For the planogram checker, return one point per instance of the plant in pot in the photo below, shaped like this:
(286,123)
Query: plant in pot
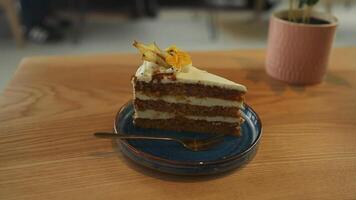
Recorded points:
(299,43)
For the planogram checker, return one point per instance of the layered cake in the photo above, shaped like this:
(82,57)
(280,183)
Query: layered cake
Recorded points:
(171,94)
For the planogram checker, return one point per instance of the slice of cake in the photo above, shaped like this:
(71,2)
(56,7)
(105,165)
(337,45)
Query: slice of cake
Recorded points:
(171,94)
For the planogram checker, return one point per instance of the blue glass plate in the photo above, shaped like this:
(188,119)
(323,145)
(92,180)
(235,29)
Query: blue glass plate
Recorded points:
(171,157)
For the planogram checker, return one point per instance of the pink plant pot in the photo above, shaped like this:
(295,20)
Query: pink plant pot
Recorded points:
(299,53)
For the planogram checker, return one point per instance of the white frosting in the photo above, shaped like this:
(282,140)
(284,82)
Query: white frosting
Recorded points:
(152,114)
(189,74)
(207,101)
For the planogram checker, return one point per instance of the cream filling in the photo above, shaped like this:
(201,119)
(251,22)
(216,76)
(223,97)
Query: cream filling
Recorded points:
(152,114)
(207,101)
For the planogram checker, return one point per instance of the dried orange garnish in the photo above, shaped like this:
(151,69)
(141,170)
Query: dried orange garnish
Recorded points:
(171,57)
(177,58)
(152,53)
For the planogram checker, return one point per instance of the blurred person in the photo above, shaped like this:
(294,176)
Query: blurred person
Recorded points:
(34,14)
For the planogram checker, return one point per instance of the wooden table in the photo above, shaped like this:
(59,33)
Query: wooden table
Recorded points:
(53,105)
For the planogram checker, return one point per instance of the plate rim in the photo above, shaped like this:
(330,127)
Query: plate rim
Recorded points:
(190,163)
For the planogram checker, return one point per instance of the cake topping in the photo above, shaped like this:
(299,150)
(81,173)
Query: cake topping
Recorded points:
(175,66)
(173,59)
(177,58)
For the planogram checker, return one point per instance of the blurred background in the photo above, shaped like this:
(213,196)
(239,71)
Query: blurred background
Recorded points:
(50,27)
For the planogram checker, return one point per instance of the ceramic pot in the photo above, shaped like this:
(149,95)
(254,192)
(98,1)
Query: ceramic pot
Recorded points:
(299,53)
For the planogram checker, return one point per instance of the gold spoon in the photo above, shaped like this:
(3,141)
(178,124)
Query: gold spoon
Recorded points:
(191,144)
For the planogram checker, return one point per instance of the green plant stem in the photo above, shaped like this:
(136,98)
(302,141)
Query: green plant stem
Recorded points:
(305,13)
(309,11)
(294,18)
(290,10)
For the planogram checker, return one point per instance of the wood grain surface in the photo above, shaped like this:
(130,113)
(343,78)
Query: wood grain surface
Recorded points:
(52,106)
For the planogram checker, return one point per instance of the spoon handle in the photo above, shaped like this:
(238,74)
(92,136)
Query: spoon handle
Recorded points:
(107,135)
(122,136)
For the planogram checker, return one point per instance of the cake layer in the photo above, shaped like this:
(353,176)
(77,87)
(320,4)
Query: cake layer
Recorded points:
(183,124)
(204,101)
(154,114)
(185,89)
(185,109)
